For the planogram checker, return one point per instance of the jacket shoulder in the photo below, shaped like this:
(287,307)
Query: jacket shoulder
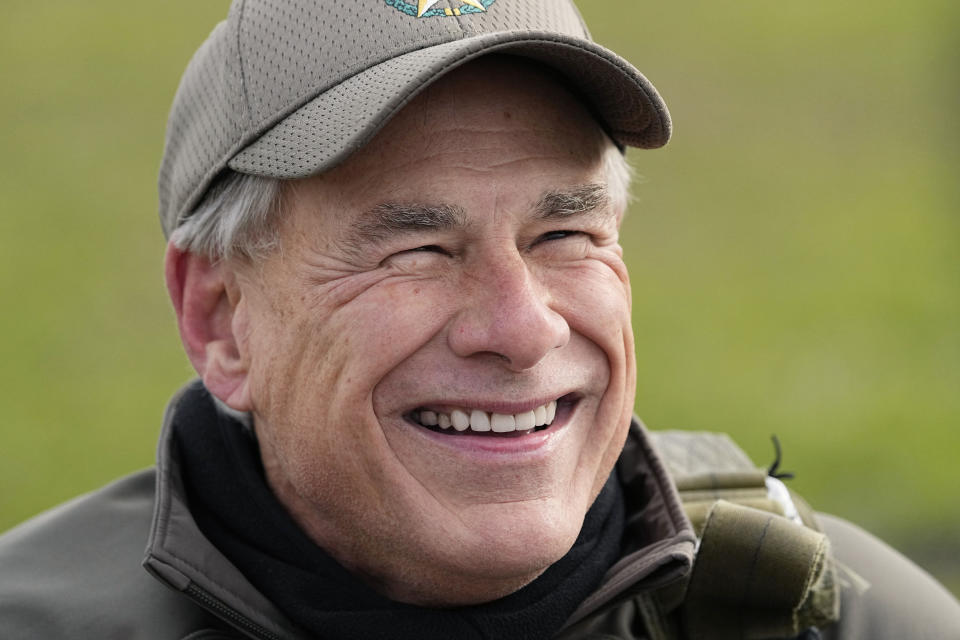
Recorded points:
(885,595)
(75,572)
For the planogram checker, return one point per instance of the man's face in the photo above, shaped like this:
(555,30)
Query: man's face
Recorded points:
(464,263)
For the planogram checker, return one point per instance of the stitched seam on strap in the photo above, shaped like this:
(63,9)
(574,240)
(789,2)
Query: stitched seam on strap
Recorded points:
(750,576)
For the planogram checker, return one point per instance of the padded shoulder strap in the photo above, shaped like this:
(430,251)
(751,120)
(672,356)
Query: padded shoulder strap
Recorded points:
(692,452)
(707,467)
(763,568)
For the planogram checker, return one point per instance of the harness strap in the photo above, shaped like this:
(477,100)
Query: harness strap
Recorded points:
(757,574)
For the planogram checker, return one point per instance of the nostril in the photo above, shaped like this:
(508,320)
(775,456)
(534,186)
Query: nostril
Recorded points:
(507,312)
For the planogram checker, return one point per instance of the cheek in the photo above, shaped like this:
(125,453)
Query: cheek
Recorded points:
(333,356)
(313,374)
(594,297)
(387,325)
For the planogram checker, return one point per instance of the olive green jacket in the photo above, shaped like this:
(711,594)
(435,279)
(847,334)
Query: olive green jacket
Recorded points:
(78,571)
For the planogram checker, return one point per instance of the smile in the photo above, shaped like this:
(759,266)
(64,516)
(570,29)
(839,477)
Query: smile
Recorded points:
(464,420)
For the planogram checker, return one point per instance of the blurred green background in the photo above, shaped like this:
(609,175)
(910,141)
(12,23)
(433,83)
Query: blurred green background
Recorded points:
(795,250)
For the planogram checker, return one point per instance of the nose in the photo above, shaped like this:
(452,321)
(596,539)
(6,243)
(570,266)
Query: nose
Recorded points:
(506,311)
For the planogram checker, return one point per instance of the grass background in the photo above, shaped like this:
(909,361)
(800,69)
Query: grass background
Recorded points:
(795,250)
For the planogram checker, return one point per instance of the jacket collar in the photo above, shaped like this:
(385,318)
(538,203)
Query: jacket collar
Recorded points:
(180,556)
(659,542)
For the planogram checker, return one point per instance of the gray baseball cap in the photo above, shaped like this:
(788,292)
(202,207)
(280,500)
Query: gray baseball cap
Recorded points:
(290,88)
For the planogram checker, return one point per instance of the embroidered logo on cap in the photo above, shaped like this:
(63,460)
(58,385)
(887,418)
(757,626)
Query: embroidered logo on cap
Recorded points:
(425,8)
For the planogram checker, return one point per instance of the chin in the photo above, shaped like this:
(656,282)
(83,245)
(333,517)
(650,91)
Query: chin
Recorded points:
(522,539)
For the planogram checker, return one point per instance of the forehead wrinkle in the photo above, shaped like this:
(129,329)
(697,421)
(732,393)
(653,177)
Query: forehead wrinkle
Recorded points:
(581,199)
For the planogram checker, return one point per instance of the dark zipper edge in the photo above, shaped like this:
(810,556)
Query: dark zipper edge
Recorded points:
(209,602)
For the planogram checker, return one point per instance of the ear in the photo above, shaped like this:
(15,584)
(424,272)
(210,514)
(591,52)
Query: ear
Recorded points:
(208,304)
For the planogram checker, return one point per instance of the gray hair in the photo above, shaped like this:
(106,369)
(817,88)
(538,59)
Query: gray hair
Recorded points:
(239,216)
(236,218)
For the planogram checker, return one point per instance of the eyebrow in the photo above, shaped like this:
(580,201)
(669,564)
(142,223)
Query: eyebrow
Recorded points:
(387,219)
(390,218)
(581,199)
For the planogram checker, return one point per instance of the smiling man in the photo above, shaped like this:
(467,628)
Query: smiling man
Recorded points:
(441,336)
(395,266)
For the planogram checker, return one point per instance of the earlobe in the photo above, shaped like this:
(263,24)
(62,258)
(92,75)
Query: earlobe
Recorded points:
(209,311)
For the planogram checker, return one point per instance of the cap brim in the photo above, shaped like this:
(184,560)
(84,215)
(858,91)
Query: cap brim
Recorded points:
(324,131)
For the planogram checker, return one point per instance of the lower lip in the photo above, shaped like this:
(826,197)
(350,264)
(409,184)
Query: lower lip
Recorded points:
(500,446)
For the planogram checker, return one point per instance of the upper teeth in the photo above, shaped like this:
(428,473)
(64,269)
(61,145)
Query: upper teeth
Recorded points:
(477,420)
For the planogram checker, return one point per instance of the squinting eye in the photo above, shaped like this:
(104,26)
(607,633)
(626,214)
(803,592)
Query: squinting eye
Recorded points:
(427,248)
(432,248)
(557,235)
(411,257)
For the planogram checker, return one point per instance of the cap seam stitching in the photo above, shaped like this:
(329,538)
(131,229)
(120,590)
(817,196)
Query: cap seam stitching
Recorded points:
(248,116)
(463,32)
